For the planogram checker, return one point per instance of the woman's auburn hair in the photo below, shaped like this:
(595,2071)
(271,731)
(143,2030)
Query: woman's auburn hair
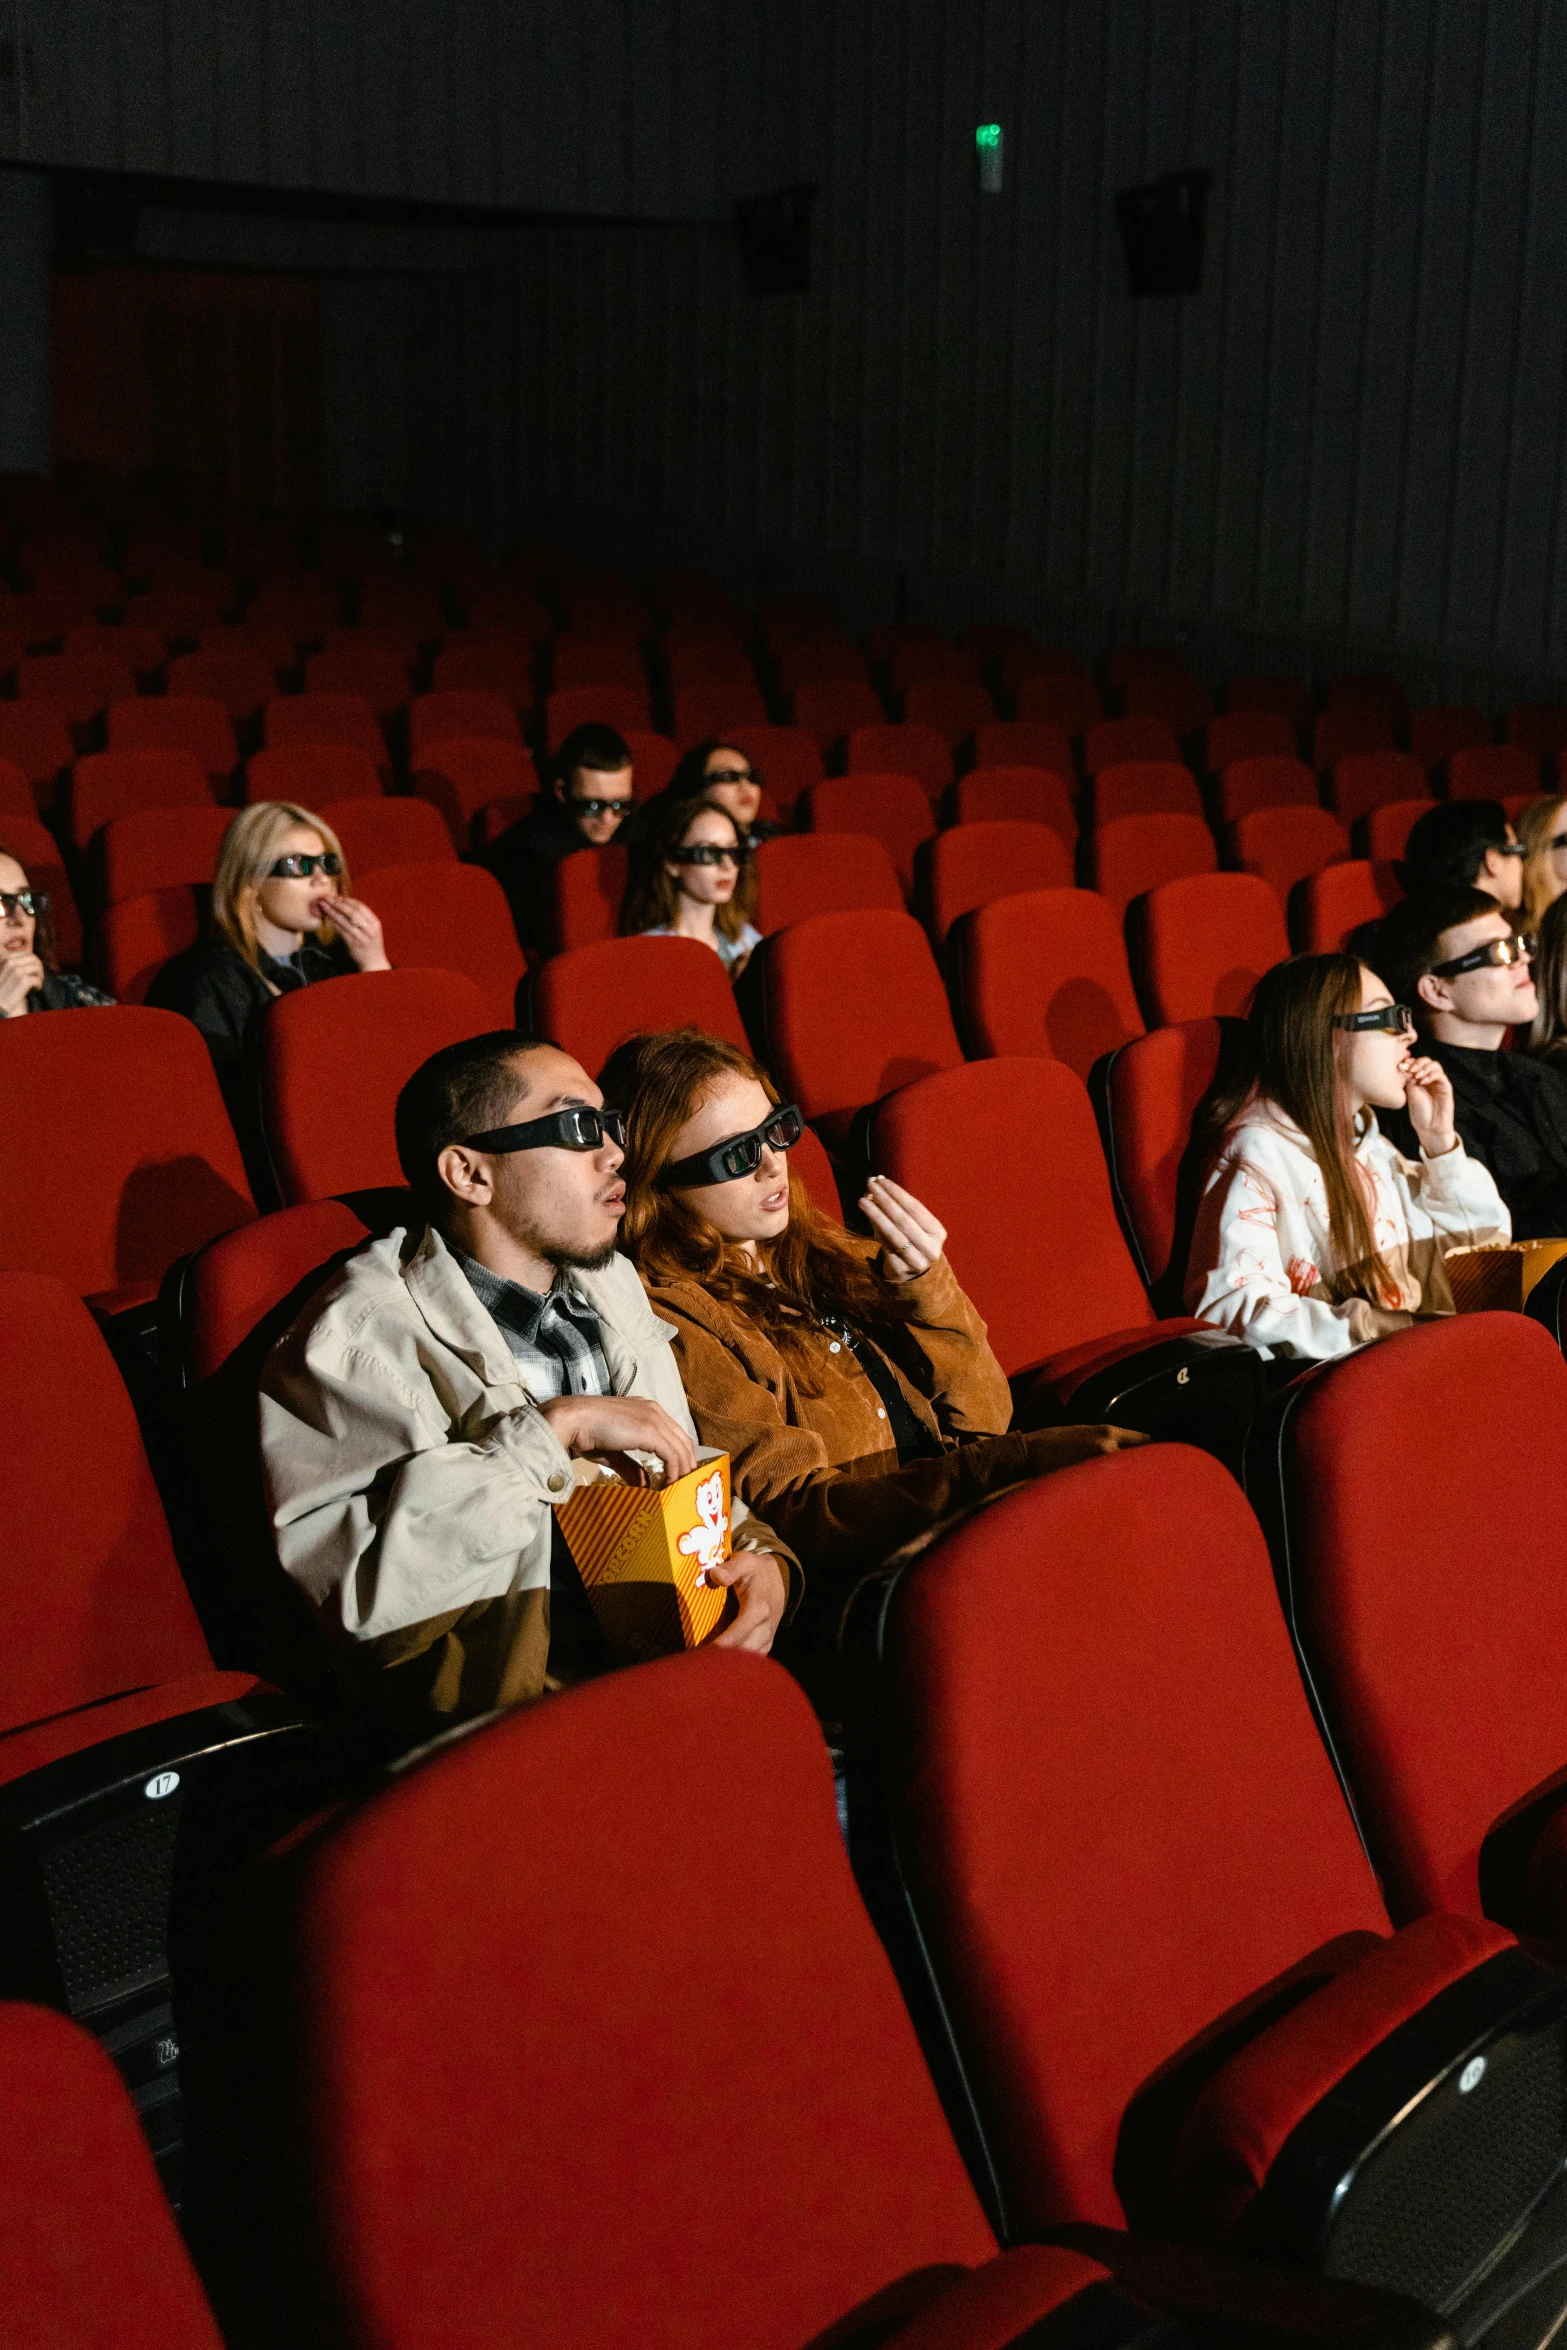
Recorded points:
(653,895)
(249,851)
(812,1270)
(43,926)
(1291,1059)
(1535,829)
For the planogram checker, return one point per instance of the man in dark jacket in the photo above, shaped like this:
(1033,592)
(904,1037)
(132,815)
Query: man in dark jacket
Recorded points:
(581,807)
(1453,956)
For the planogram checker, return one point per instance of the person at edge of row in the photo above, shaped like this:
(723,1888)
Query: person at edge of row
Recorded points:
(282,916)
(1542,835)
(1548,1036)
(693,876)
(424,1417)
(582,805)
(849,1380)
(717,772)
(1454,957)
(1314,1234)
(1456,844)
(30,978)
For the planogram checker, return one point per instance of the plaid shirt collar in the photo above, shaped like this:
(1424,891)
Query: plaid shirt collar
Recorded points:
(556,1336)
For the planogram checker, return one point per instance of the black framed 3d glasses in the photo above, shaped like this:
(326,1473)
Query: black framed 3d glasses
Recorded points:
(710,852)
(1395,1019)
(300,866)
(741,1155)
(600,807)
(23,901)
(729,775)
(1498,951)
(563,1130)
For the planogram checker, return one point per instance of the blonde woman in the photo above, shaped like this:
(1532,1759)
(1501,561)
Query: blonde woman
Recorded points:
(282,917)
(1542,834)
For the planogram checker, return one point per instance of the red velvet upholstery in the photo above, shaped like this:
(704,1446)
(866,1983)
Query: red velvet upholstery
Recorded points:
(1024,742)
(708,661)
(1284,845)
(1203,943)
(785,757)
(17,797)
(1340,898)
(497,665)
(597,662)
(909,749)
(31,841)
(945,1137)
(606,2075)
(808,1159)
(654,759)
(113,783)
(375,676)
(170,722)
(324,718)
(1180,701)
(1540,726)
(1242,735)
(1436,733)
(703,710)
(953,707)
(1145,787)
(1118,742)
(334,1059)
(120,1155)
(234,675)
(79,685)
(586,890)
(380,831)
(90,2256)
(450,917)
(1117,1816)
(237,1279)
(1364,780)
(1463,1624)
(1270,691)
(1045,972)
(94,1602)
(1124,664)
(463,776)
(1368,689)
(813,661)
(1063,698)
(974,863)
(1133,854)
(1493,771)
(894,809)
(313,775)
(1341,732)
(42,1743)
(1017,795)
(1151,1089)
(620,706)
(137,937)
(34,737)
(159,847)
(808,873)
(1273,782)
(592,998)
(881,965)
(1384,833)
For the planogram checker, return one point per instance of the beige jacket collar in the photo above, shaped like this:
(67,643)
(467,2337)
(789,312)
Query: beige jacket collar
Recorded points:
(454,1315)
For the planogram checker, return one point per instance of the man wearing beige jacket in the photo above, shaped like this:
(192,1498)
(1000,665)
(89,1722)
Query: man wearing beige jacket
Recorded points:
(424,1416)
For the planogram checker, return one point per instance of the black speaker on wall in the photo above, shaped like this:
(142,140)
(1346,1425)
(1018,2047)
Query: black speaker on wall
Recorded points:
(774,236)
(1161,229)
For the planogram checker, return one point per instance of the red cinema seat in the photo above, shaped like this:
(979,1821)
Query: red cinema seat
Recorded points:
(1540,727)
(1383,835)
(379,831)
(35,738)
(1368,689)
(1339,899)
(891,808)
(1025,742)
(1284,845)
(160,849)
(35,847)
(179,614)
(974,863)
(953,707)
(1145,787)
(90,2252)
(654,758)
(624,707)
(1248,734)
(493,665)
(588,2068)
(806,873)
(1127,1873)
(1493,771)
(707,661)
(79,685)
(324,718)
(462,777)
(889,638)
(833,709)
(992,640)
(1436,733)
(306,615)
(703,710)
(1397,1652)
(1017,670)
(785,757)
(1148,1091)
(1136,853)
(108,784)
(1249,785)
(592,998)
(1201,944)
(1044,972)
(920,751)
(1067,1318)
(1017,795)
(458,714)
(136,936)
(127,1099)
(237,676)
(17,797)
(1350,727)
(272,647)
(375,676)
(785,618)
(1168,694)
(313,775)
(334,1059)
(172,722)
(448,917)
(1290,696)
(1372,779)
(881,964)
(587,890)
(497,817)
(230,1287)
(819,661)
(1118,742)
(1122,664)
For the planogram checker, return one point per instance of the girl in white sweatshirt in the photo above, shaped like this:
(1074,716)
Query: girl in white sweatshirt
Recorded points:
(1314,1234)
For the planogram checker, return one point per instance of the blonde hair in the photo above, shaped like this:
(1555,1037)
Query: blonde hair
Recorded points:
(1536,828)
(250,850)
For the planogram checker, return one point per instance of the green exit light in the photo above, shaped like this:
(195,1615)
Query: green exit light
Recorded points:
(988,135)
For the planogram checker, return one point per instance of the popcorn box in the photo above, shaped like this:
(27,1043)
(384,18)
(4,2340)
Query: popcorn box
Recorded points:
(643,1552)
(1497,1275)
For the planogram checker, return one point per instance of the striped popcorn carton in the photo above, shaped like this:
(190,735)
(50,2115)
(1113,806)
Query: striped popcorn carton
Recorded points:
(644,1553)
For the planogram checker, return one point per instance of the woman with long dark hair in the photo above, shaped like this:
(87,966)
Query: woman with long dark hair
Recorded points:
(30,978)
(849,1380)
(692,877)
(1314,1234)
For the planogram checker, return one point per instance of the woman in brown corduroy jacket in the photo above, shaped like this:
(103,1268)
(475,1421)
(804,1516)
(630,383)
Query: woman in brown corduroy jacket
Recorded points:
(849,1381)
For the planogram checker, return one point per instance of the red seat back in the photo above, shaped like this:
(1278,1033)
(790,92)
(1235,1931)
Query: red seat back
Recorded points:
(902,750)
(115,783)
(34,737)
(1339,733)
(654,759)
(1270,691)
(449,917)
(1116,742)
(625,707)
(974,863)
(944,1137)
(313,775)
(161,848)
(592,998)
(1045,972)
(1136,853)
(1202,944)
(1151,1089)
(497,665)
(93,1598)
(376,677)
(818,661)
(1371,779)
(702,710)
(17,797)
(1145,787)
(170,722)
(237,1280)
(235,676)
(126,1099)
(1272,782)
(1023,742)
(829,711)
(953,707)
(381,831)
(138,935)
(1170,695)
(335,1056)
(79,685)
(1492,771)
(1109,1797)
(893,809)
(1540,726)
(586,892)
(324,718)
(1026,795)
(1284,845)
(1063,698)
(807,873)
(1385,831)
(457,714)
(1249,734)
(785,757)
(1340,898)
(1436,733)
(881,964)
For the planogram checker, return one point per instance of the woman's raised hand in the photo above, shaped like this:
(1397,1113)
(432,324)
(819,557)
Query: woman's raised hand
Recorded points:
(911,1239)
(19,975)
(1429,1100)
(360,931)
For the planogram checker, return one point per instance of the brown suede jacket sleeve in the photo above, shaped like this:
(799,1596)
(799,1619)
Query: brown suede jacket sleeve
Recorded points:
(949,1359)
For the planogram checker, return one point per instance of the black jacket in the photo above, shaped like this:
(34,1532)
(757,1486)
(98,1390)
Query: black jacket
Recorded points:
(1511,1113)
(523,859)
(64,991)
